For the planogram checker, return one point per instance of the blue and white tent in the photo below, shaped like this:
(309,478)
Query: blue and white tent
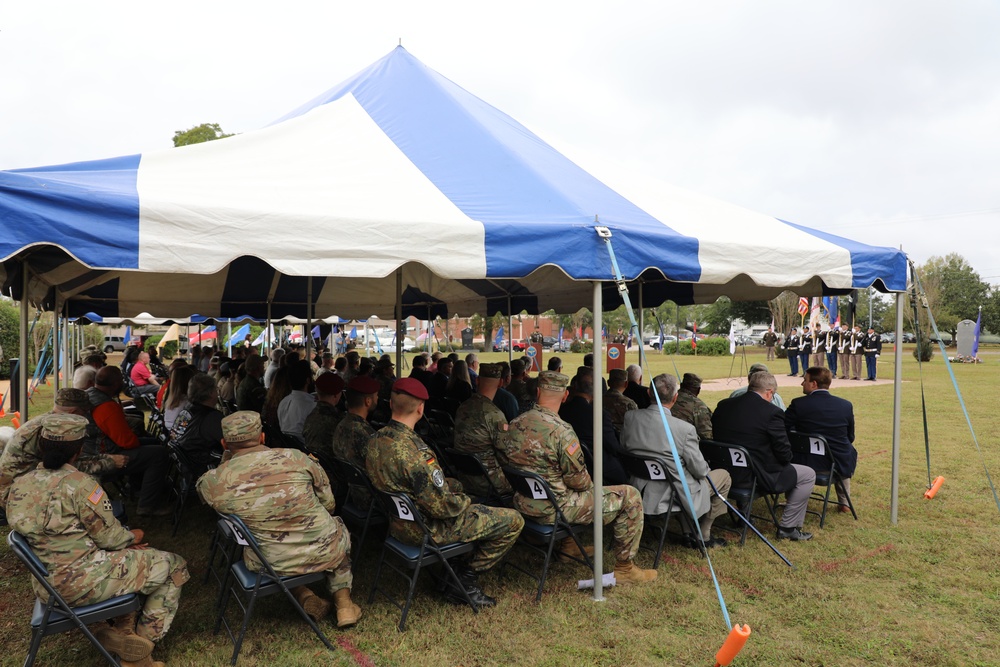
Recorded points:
(396,169)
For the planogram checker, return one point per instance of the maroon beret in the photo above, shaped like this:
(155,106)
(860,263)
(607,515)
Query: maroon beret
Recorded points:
(414,388)
(363,384)
(330,384)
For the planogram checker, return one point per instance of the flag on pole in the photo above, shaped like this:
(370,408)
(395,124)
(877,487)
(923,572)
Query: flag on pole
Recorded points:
(172,334)
(262,336)
(803,306)
(975,338)
(628,341)
(604,333)
(815,314)
(354,333)
(732,337)
(559,342)
(128,335)
(208,333)
(238,335)
(694,336)
(498,341)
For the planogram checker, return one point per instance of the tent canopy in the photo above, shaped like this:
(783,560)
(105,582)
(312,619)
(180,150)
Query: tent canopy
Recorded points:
(397,169)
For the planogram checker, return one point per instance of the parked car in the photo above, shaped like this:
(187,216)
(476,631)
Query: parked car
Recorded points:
(519,345)
(503,346)
(654,342)
(909,337)
(562,345)
(114,344)
(745,340)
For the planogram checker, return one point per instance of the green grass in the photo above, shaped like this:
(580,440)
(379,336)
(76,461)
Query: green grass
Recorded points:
(926,591)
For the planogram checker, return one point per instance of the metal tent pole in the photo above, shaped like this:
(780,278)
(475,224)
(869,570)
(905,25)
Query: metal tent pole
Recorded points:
(56,340)
(309,313)
(400,332)
(598,446)
(510,331)
(22,367)
(642,322)
(897,408)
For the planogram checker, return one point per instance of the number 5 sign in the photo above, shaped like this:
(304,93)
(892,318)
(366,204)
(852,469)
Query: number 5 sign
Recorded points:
(402,510)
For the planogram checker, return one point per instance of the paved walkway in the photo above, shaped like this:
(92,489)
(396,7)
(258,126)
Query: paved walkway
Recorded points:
(729,384)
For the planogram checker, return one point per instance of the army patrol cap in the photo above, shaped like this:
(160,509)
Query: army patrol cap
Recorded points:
(411,386)
(73,398)
(330,384)
(364,384)
(241,426)
(691,380)
(490,371)
(64,428)
(552,381)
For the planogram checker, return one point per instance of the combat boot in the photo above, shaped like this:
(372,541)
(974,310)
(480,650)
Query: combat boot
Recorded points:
(348,612)
(470,584)
(314,605)
(127,645)
(568,550)
(628,573)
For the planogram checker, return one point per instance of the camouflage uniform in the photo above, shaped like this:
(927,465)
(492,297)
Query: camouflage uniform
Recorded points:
(399,461)
(618,404)
(66,517)
(250,394)
(320,425)
(540,442)
(22,455)
(284,497)
(479,426)
(519,388)
(350,441)
(694,411)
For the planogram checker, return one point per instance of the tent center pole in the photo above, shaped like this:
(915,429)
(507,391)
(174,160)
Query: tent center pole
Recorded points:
(56,340)
(400,325)
(642,322)
(897,398)
(309,322)
(510,332)
(598,445)
(22,366)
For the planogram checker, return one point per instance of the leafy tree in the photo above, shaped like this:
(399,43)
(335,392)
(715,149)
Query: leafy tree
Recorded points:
(954,292)
(10,327)
(199,134)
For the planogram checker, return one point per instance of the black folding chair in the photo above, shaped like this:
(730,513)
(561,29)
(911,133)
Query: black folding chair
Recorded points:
(813,450)
(357,510)
(181,480)
(654,469)
(469,466)
(531,485)
(415,557)
(251,585)
(743,492)
(56,615)
(224,550)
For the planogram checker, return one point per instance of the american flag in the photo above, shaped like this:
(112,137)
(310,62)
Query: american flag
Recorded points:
(803,306)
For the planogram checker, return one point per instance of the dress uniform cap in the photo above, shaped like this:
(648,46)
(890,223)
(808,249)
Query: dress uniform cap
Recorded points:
(411,386)
(73,398)
(241,426)
(552,381)
(492,371)
(64,428)
(364,384)
(330,384)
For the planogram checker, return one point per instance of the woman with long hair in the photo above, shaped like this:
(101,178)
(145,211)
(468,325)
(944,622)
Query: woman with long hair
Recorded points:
(176,397)
(280,387)
(459,387)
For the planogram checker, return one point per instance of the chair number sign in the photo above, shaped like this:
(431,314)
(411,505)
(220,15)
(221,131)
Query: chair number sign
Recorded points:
(402,510)
(739,458)
(537,491)
(238,534)
(655,470)
(816,447)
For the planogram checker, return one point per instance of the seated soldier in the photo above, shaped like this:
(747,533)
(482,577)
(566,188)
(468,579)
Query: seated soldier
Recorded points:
(615,402)
(284,498)
(479,425)
(250,392)
(691,409)
(398,461)
(22,453)
(66,518)
(353,433)
(644,435)
(540,442)
(323,420)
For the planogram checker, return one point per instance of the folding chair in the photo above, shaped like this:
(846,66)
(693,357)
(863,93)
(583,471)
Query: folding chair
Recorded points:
(656,469)
(56,615)
(357,510)
(415,557)
(812,450)
(181,479)
(531,485)
(743,492)
(469,465)
(252,585)
(224,550)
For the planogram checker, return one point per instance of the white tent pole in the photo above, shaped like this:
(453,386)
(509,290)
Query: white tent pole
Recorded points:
(598,446)
(267,335)
(642,322)
(229,338)
(67,362)
(510,331)
(400,334)
(22,366)
(56,340)
(309,314)
(897,399)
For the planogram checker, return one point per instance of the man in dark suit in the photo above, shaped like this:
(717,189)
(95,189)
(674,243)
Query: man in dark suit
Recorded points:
(821,413)
(635,390)
(752,421)
(578,412)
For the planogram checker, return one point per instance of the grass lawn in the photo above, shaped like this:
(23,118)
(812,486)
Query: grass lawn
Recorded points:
(925,592)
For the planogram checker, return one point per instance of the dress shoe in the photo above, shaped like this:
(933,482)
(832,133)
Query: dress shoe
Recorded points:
(844,509)
(470,583)
(793,534)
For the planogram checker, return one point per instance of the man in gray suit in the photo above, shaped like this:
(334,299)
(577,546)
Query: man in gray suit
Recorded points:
(643,435)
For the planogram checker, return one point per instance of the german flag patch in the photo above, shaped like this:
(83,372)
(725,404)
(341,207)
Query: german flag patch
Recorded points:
(96,495)
(431,460)
(573,449)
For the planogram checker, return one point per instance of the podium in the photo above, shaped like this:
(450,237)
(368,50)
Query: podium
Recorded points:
(534,352)
(616,356)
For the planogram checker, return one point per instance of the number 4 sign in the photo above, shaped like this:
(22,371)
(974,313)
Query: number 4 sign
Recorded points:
(537,491)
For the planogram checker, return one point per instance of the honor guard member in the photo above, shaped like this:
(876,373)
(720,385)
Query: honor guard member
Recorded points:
(792,351)
(843,355)
(770,339)
(831,340)
(322,422)
(540,442)
(805,348)
(398,461)
(873,348)
(284,498)
(819,347)
(691,409)
(856,347)
(479,426)
(66,517)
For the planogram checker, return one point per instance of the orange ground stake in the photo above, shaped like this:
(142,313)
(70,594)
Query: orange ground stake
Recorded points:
(733,645)
(15,422)
(931,492)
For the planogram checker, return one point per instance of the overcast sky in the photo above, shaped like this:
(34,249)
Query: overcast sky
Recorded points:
(878,121)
